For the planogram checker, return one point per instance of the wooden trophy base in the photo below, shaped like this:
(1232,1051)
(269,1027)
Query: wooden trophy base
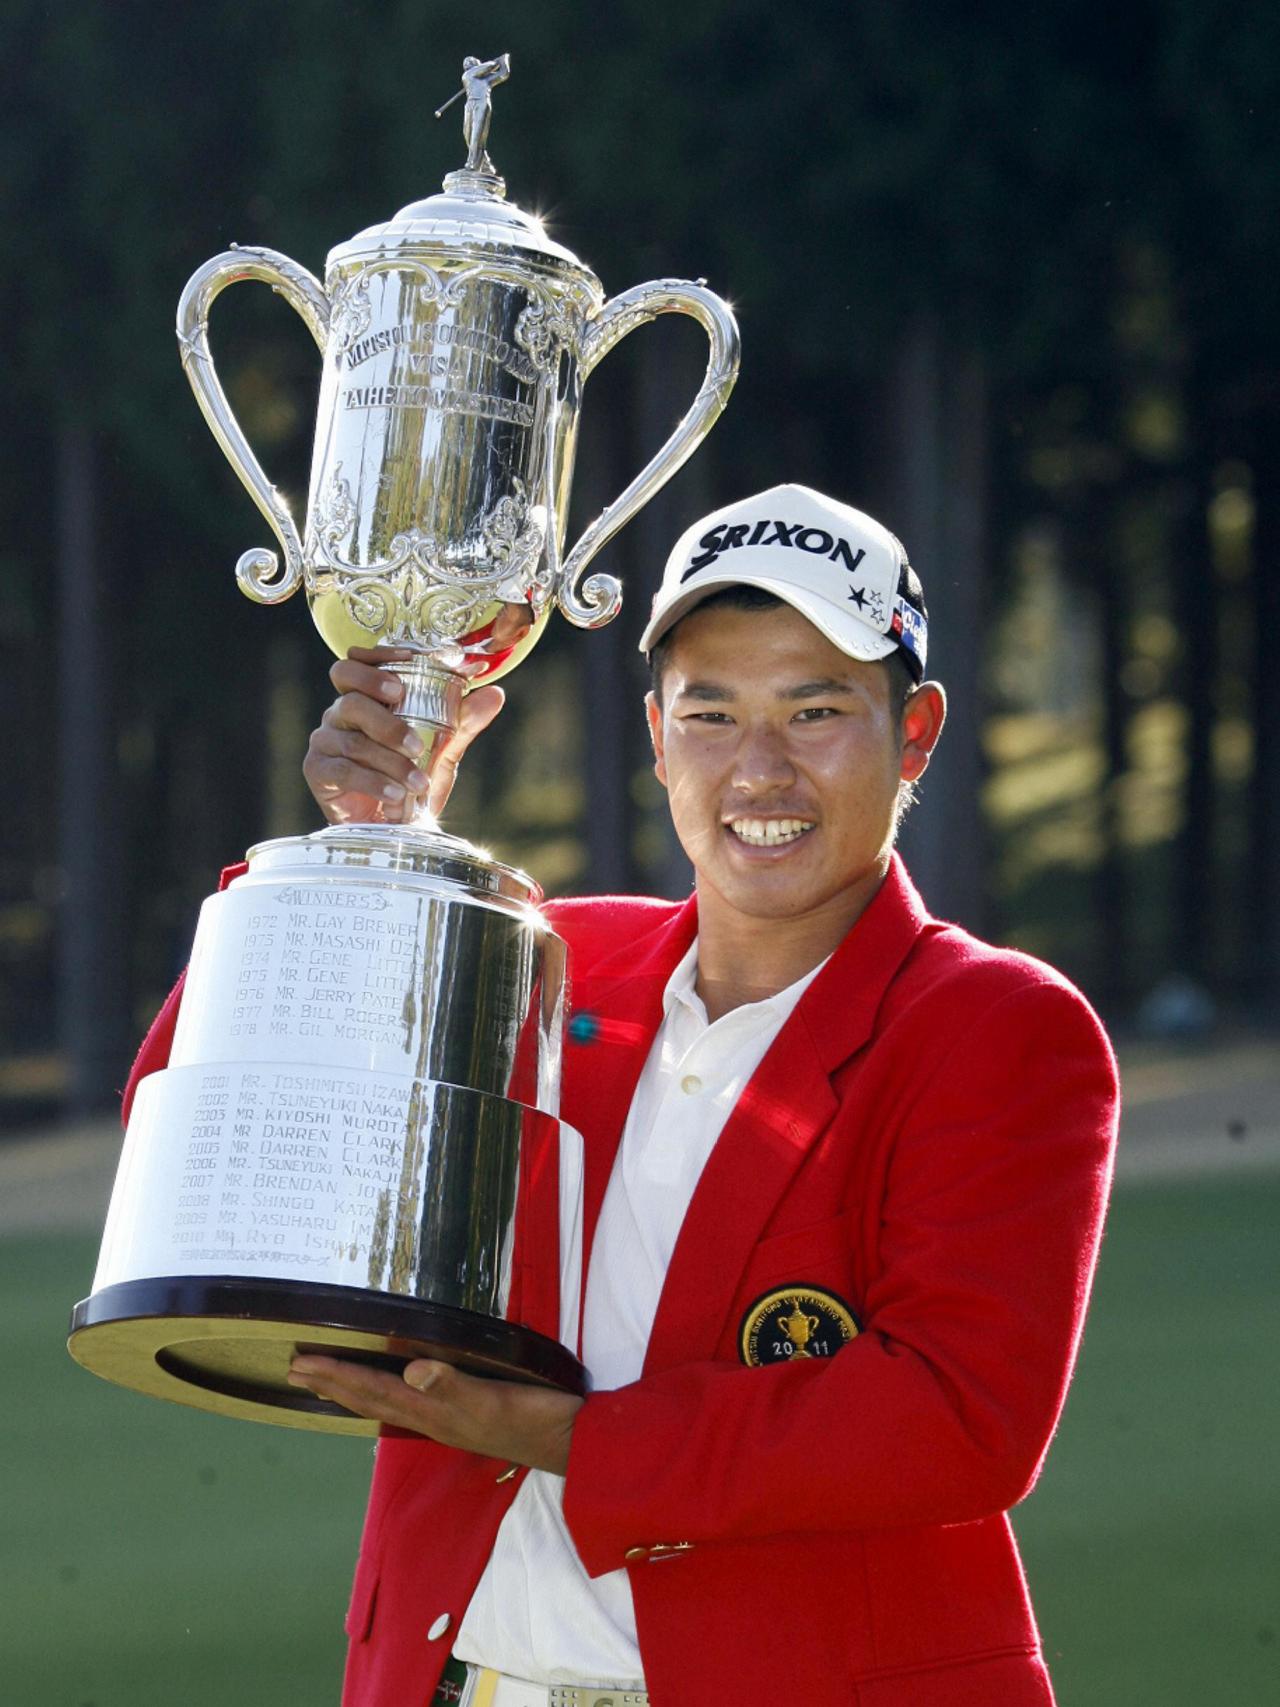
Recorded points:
(224,1344)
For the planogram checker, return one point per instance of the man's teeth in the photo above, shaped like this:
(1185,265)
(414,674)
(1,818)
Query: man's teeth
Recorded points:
(767,833)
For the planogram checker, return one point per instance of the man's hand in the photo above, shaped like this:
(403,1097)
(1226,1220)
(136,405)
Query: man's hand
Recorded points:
(498,1419)
(362,762)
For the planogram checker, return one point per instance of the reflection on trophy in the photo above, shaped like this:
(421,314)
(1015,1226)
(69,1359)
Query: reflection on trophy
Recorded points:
(357,1134)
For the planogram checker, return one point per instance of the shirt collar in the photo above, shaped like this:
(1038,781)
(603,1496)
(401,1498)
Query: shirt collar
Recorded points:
(679,989)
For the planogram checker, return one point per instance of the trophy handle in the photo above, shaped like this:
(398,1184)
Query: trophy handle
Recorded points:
(600,598)
(258,571)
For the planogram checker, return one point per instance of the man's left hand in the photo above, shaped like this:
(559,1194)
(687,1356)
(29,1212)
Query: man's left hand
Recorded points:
(498,1419)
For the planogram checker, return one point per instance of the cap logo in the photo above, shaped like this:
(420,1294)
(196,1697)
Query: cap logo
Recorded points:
(870,604)
(817,541)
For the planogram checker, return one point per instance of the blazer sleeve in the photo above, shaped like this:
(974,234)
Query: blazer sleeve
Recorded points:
(153,1052)
(941,1409)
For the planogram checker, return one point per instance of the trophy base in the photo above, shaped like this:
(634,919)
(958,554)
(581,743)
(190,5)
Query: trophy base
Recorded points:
(224,1344)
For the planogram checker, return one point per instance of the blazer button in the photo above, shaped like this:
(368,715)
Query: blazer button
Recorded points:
(439,1627)
(636,1553)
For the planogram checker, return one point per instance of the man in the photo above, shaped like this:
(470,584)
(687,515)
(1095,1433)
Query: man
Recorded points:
(845,1174)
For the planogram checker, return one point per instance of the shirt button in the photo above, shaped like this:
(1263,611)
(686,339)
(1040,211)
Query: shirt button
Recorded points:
(439,1627)
(691,1084)
(636,1553)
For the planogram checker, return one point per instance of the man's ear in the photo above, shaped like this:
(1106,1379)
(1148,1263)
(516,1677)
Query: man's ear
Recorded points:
(653,712)
(922,718)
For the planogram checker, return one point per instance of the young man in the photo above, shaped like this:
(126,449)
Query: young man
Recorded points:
(845,1175)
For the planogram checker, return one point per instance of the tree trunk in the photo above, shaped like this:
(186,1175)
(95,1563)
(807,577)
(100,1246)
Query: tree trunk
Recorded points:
(1263,888)
(939,481)
(1197,605)
(289,807)
(1110,882)
(92,1005)
(602,651)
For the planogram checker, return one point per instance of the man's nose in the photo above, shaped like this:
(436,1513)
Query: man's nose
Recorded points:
(762,763)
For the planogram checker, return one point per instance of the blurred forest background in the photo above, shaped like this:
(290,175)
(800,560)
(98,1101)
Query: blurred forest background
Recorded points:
(1006,277)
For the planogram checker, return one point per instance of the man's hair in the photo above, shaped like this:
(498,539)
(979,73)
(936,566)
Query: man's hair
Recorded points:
(901,681)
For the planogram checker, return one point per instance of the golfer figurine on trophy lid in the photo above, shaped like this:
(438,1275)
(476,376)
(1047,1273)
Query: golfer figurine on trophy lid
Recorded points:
(358,1125)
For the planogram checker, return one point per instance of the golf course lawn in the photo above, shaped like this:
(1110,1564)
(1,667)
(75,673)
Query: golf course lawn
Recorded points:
(153,1556)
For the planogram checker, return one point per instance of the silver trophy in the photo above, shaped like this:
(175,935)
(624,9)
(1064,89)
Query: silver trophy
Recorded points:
(357,1131)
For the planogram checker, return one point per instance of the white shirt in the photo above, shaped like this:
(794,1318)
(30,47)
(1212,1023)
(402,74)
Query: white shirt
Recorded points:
(535,1613)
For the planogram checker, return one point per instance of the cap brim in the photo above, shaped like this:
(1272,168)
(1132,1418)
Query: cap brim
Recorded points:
(855,638)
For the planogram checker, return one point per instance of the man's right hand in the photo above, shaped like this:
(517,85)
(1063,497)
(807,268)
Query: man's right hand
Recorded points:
(362,762)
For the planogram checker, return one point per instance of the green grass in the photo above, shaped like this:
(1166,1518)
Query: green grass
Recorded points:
(1150,1542)
(155,1557)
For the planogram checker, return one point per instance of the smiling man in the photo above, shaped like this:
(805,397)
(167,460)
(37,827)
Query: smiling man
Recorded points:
(845,1175)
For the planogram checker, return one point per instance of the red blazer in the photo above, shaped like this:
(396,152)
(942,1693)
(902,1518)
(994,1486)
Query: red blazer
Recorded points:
(930,1138)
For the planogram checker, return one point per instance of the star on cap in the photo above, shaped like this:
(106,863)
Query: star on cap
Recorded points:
(859,597)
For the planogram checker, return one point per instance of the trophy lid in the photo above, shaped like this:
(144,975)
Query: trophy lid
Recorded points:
(470,217)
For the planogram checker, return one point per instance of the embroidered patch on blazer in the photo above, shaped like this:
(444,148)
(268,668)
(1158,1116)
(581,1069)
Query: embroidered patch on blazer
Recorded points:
(795,1321)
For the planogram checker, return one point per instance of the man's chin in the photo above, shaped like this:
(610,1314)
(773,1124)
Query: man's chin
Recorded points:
(767,893)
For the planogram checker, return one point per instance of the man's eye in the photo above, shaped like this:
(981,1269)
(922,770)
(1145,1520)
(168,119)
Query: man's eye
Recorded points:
(706,717)
(816,714)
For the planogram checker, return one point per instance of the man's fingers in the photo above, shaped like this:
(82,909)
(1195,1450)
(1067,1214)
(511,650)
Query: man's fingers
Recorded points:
(363,752)
(385,1398)
(357,675)
(479,709)
(501,1419)
(396,757)
(363,760)
(355,777)
(358,1386)
(448,1386)
(329,778)
(497,1419)
(379,722)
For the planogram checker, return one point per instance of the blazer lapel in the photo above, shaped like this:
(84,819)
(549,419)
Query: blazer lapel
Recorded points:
(617,1008)
(782,1112)
(788,1102)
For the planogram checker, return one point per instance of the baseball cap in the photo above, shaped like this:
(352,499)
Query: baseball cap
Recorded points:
(838,567)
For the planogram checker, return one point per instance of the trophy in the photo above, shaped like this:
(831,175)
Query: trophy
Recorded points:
(355,1148)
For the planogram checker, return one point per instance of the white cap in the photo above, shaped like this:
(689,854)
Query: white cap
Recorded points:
(835,565)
